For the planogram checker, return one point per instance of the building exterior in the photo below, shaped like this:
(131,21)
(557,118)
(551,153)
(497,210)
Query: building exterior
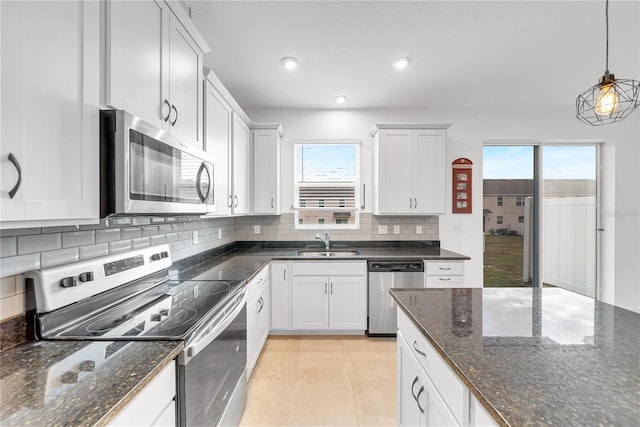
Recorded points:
(504,200)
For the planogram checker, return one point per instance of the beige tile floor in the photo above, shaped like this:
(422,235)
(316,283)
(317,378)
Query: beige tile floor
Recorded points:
(323,381)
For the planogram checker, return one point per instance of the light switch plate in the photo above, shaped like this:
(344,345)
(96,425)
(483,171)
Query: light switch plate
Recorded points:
(418,229)
(195,237)
(256,229)
(219,233)
(396,229)
(382,229)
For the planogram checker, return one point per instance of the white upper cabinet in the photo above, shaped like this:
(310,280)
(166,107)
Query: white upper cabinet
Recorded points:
(49,122)
(266,168)
(217,127)
(409,169)
(154,63)
(241,203)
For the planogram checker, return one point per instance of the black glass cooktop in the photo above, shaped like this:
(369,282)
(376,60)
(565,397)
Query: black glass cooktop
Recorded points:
(171,311)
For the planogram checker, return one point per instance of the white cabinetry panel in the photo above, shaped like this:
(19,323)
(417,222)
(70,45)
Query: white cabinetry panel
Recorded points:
(266,171)
(241,167)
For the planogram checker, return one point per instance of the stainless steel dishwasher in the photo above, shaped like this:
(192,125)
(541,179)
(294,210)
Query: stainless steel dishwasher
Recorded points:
(384,275)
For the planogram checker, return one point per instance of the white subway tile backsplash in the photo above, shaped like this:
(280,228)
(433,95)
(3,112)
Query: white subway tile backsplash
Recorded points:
(178,226)
(140,242)
(149,230)
(157,240)
(141,221)
(11,266)
(78,238)
(8,287)
(121,221)
(184,235)
(119,246)
(104,223)
(108,235)
(8,246)
(60,229)
(19,231)
(39,243)
(171,237)
(164,228)
(63,256)
(94,251)
(131,233)
(12,306)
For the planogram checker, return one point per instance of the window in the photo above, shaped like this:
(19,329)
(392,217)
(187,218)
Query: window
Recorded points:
(326,185)
(520,201)
(500,201)
(499,219)
(521,218)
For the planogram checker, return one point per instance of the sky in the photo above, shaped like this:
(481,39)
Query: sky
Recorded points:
(326,162)
(558,162)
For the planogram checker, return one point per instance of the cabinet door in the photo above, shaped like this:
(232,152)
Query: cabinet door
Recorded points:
(265,172)
(49,119)
(137,77)
(263,316)
(253,305)
(279,296)
(430,171)
(309,302)
(347,302)
(241,172)
(411,410)
(185,84)
(395,180)
(218,117)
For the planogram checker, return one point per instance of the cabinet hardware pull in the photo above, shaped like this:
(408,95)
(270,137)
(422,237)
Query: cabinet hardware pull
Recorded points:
(165,102)
(418,399)
(230,201)
(410,203)
(364,196)
(417,349)
(444,268)
(412,387)
(173,107)
(261,301)
(272,203)
(237,201)
(331,288)
(284,274)
(445,279)
(325,288)
(415,203)
(16,164)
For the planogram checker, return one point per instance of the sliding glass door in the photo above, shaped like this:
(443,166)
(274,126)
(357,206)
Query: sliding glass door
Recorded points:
(540,221)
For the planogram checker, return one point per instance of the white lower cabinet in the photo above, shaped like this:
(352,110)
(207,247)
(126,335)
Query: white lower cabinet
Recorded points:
(429,392)
(444,274)
(280,274)
(258,317)
(329,302)
(154,405)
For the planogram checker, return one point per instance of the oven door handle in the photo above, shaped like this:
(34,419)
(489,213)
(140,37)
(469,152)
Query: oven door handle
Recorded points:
(215,328)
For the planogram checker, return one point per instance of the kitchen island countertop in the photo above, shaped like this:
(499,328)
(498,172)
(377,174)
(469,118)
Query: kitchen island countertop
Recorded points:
(535,356)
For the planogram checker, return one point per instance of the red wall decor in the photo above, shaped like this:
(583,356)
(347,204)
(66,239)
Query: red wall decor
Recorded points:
(462,180)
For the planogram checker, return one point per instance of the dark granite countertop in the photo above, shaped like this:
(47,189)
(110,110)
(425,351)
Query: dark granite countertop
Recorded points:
(241,261)
(535,356)
(64,383)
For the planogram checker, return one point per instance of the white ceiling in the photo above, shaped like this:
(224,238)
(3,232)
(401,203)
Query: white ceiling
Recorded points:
(513,54)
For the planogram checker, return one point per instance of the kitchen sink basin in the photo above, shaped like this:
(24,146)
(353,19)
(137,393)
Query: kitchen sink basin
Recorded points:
(327,253)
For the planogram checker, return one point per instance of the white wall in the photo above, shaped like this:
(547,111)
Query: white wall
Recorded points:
(471,128)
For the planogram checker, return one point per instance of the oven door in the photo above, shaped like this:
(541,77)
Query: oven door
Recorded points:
(211,373)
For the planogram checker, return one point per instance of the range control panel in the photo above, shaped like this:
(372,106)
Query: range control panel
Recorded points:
(62,285)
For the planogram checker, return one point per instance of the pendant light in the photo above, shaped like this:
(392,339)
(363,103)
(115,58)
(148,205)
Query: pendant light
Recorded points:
(611,100)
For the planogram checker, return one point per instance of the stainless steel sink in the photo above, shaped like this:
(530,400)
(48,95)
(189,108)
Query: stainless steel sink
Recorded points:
(327,253)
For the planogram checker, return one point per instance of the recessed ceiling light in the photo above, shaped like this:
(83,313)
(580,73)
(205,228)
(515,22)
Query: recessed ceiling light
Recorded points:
(290,63)
(341,99)
(401,63)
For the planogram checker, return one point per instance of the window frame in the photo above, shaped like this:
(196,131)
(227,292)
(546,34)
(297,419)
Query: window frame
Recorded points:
(499,200)
(304,225)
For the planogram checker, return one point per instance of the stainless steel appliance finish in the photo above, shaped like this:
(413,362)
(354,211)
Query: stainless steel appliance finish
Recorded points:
(130,297)
(145,170)
(384,275)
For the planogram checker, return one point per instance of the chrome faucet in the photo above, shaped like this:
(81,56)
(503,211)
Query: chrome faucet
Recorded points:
(324,239)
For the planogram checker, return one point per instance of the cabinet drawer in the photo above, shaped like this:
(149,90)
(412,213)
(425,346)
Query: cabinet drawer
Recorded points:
(257,281)
(444,268)
(326,268)
(445,281)
(449,386)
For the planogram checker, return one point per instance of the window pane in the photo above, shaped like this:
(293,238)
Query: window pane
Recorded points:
(326,163)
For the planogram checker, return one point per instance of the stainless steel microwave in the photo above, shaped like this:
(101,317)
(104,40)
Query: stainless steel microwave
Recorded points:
(146,171)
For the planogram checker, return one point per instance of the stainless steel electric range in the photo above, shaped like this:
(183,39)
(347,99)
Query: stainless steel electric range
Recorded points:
(131,296)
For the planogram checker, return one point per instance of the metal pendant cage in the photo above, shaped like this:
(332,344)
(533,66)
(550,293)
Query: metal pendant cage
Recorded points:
(627,95)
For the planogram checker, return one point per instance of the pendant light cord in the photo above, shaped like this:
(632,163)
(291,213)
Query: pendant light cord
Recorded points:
(606,14)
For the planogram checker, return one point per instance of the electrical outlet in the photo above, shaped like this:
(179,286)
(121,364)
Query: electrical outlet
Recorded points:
(219,233)
(418,229)
(396,229)
(382,229)
(195,237)
(256,229)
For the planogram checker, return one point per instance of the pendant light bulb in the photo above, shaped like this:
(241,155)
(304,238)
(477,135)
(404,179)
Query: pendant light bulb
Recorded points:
(607,102)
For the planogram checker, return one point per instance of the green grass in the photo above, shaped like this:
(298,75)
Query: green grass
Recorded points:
(503,261)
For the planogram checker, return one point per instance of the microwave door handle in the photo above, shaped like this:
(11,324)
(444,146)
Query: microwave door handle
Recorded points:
(203,168)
